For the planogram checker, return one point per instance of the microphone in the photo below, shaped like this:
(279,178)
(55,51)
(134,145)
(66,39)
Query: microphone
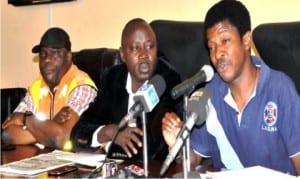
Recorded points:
(197,109)
(204,75)
(146,98)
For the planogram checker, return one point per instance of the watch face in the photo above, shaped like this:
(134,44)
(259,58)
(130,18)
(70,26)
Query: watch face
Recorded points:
(28,113)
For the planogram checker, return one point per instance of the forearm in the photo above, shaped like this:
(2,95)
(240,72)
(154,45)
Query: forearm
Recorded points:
(43,132)
(296,162)
(50,132)
(194,159)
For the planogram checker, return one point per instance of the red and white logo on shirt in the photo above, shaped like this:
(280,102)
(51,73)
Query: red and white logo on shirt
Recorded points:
(270,114)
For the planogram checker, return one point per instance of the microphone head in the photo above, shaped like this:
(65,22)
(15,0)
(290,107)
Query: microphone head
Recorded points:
(197,103)
(209,72)
(149,93)
(159,84)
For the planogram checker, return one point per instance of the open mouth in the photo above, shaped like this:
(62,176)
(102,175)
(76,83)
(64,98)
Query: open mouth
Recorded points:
(221,67)
(144,67)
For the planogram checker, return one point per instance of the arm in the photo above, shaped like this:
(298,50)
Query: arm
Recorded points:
(55,133)
(89,122)
(194,159)
(51,133)
(289,122)
(107,108)
(296,162)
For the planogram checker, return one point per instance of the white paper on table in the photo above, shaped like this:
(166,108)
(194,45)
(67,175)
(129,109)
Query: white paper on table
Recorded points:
(34,165)
(248,173)
(45,162)
(89,159)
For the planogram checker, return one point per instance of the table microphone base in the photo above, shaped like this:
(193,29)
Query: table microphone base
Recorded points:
(191,174)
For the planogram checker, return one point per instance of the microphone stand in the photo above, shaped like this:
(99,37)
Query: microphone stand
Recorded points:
(186,146)
(145,145)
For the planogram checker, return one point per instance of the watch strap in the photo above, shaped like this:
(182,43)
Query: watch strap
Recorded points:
(25,115)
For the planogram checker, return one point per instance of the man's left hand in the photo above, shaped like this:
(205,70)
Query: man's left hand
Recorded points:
(14,119)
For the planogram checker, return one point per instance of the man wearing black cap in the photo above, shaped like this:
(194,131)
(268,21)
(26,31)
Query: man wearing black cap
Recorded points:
(56,98)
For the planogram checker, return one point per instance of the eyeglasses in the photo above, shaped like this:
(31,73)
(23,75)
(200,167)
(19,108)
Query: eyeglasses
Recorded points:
(52,53)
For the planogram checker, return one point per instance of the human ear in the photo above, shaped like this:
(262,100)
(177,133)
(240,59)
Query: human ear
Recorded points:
(69,56)
(122,54)
(247,40)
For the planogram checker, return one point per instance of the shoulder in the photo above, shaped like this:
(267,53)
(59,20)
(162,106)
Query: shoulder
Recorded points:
(75,73)
(115,72)
(268,74)
(274,80)
(115,76)
(79,77)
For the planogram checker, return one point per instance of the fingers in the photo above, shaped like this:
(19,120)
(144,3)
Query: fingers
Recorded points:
(170,128)
(15,120)
(129,148)
(171,122)
(6,123)
(128,139)
(136,140)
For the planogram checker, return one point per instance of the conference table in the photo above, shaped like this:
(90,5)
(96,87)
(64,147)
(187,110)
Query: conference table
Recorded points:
(27,151)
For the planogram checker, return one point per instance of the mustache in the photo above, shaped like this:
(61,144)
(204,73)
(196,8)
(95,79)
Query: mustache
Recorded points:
(221,62)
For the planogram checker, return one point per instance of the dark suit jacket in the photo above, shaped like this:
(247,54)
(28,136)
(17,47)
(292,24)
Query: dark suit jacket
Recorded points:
(111,104)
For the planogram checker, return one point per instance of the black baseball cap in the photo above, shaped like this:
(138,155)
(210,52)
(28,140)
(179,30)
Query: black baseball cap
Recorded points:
(54,38)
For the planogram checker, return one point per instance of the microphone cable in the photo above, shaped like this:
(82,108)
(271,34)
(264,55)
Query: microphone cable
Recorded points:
(97,171)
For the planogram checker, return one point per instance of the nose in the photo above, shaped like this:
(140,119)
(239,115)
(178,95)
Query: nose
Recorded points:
(219,52)
(48,56)
(49,59)
(143,54)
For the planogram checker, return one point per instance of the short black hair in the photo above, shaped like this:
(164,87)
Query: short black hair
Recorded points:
(233,11)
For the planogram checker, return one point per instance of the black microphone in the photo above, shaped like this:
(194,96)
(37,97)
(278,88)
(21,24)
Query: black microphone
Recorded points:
(197,110)
(204,75)
(146,98)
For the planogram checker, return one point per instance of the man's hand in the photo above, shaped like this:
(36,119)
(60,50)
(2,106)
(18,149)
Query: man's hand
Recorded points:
(64,115)
(13,132)
(14,119)
(171,125)
(127,138)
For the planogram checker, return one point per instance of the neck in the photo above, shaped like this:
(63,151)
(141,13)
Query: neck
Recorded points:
(135,86)
(244,88)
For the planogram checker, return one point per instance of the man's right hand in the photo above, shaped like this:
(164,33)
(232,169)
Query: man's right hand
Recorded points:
(171,125)
(64,115)
(127,138)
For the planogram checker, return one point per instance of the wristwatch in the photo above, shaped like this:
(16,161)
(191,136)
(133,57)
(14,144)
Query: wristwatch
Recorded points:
(25,115)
